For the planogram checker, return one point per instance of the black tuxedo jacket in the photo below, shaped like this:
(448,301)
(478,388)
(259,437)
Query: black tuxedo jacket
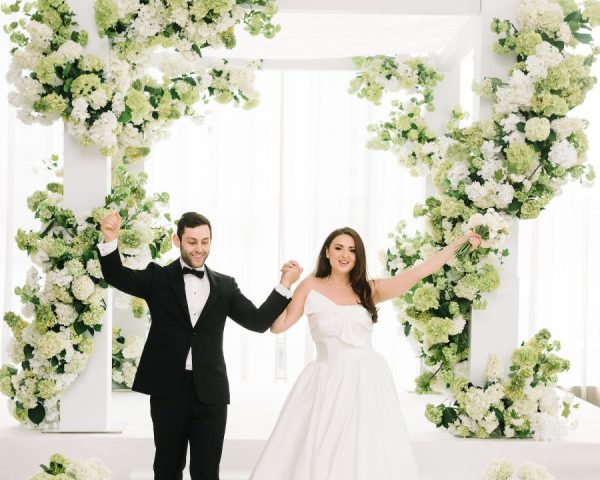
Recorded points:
(162,365)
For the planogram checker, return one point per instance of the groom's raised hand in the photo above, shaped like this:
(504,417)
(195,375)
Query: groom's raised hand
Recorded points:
(290,272)
(110,225)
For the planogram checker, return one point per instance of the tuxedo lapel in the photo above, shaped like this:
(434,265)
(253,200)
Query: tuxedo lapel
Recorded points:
(176,277)
(215,292)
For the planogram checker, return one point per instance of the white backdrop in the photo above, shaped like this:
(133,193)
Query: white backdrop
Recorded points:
(276,180)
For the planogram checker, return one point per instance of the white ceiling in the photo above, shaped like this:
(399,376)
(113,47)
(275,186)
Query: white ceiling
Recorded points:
(322,35)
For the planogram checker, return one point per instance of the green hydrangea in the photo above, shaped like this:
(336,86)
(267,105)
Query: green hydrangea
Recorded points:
(16,324)
(138,307)
(139,106)
(525,42)
(106,14)
(85,84)
(45,318)
(50,104)
(467,287)
(521,158)
(434,413)
(591,12)
(489,278)
(91,63)
(426,297)
(537,129)
(437,330)
(47,388)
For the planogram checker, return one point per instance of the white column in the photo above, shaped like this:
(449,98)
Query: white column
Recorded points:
(85,405)
(495,329)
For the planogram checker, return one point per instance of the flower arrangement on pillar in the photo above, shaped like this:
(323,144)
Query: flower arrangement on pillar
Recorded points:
(66,310)
(488,175)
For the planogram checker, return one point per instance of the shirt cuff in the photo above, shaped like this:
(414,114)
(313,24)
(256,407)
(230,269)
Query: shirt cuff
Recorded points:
(286,292)
(108,247)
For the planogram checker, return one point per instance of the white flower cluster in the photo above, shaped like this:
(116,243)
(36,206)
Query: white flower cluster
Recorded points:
(496,225)
(504,470)
(126,357)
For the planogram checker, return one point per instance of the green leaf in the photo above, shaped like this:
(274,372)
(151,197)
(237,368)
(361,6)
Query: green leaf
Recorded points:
(448,416)
(583,37)
(125,116)
(407,328)
(37,414)
(79,327)
(28,351)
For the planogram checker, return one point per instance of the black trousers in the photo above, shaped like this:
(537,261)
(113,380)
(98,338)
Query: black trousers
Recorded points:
(182,419)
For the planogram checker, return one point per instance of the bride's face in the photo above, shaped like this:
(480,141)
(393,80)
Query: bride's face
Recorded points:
(194,245)
(342,254)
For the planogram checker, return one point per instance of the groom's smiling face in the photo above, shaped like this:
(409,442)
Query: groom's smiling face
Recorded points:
(194,245)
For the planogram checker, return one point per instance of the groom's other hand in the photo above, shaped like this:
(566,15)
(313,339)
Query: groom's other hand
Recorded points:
(110,226)
(290,272)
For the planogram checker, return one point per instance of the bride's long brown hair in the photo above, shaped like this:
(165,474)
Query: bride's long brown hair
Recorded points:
(358,275)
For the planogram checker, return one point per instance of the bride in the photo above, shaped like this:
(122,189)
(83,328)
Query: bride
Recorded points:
(342,419)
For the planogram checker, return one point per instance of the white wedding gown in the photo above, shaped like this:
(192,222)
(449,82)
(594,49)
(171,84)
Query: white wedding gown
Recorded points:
(342,419)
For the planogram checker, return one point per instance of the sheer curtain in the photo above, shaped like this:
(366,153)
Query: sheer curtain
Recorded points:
(275,180)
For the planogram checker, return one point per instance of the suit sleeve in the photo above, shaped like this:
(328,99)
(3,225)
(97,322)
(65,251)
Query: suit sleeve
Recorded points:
(134,282)
(245,313)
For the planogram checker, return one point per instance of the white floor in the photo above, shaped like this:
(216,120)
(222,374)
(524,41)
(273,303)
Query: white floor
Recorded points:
(253,413)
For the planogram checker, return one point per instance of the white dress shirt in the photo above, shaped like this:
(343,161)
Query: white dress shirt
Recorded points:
(196,290)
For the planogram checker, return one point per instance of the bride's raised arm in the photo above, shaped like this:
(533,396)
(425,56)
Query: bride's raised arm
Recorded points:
(388,288)
(295,308)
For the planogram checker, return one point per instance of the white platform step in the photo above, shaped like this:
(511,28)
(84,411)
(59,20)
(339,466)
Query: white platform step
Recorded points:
(228,474)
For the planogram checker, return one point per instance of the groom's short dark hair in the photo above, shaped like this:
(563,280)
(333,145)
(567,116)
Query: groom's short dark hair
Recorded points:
(191,220)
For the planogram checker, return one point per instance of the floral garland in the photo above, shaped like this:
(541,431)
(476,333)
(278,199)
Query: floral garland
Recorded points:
(488,175)
(121,109)
(67,309)
(64,468)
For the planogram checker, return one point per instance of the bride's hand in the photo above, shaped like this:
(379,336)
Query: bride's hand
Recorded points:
(473,238)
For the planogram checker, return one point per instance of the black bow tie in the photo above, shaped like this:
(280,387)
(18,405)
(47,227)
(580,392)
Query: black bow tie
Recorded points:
(198,273)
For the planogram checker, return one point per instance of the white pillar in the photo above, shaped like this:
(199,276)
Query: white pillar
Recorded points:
(85,405)
(495,329)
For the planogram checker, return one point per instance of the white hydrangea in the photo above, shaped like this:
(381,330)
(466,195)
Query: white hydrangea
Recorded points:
(126,7)
(533,471)
(103,131)
(476,404)
(457,173)
(563,153)
(133,347)
(516,95)
(499,470)
(40,34)
(563,127)
(546,56)
(150,20)
(92,469)
(82,287)
(70,51)
(495,369)
(26,58)
(129,370)
(543,15)
(490,194)
(65,314)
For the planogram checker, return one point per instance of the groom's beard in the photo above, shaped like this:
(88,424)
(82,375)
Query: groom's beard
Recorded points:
(194,261)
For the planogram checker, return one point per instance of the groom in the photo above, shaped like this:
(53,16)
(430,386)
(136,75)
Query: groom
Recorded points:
(182,366)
